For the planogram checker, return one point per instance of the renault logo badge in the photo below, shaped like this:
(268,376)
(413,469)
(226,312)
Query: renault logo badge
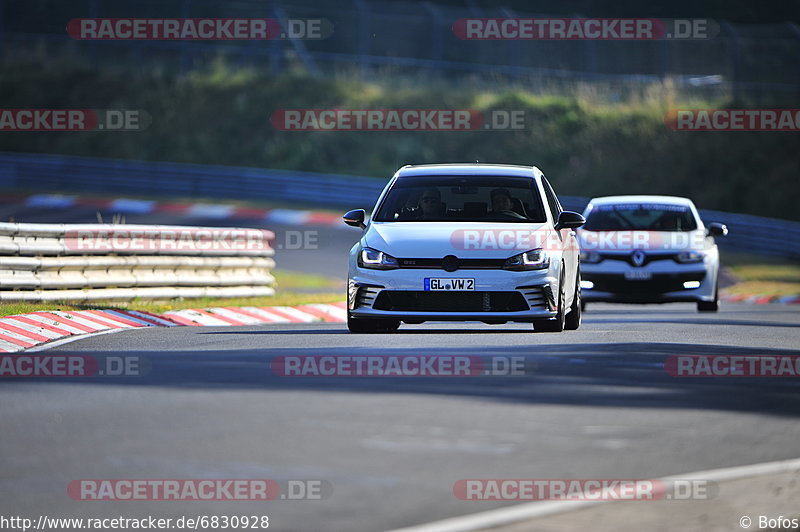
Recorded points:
(638,257)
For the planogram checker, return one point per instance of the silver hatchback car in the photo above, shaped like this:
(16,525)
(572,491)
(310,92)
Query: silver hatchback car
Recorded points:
(465,242)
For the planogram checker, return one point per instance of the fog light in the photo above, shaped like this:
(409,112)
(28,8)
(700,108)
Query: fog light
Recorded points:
(691,284)
(587,285)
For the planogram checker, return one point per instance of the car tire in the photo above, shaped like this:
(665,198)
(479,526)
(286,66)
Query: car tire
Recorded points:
(710,306)
(362,325)
(553,324)
(573,319)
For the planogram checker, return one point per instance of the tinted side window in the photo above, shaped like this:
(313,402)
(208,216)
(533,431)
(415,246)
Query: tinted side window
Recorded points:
(552,200)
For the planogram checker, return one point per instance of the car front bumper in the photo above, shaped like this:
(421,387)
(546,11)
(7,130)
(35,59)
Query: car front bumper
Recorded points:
(499,295)
(608,283)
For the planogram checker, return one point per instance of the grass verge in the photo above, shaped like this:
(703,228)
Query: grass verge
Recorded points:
(219,114)
(764,288)
(756,275)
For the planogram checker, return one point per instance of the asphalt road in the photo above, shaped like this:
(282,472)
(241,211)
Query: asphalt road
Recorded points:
(592,403)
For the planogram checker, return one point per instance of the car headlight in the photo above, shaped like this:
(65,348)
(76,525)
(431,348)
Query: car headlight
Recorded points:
(690,256)
(376,260)
(535,259)
(590,257)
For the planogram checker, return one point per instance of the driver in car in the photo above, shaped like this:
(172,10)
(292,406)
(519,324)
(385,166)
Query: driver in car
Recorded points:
(430,205)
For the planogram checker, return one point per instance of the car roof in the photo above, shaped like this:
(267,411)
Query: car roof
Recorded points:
(467,169)
(668,200)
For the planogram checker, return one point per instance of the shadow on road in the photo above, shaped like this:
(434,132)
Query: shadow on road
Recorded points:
(598,374)
(700,321)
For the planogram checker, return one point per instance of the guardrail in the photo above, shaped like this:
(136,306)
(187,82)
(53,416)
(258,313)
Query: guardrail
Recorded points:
(751,234)
(115,176)
(55,262)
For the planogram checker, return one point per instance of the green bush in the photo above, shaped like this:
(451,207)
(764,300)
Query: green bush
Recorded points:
(222,116)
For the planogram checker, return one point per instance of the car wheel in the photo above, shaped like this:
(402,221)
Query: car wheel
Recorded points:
(366,325)
(573,319)
(553,324)
(391,326)
(710,306)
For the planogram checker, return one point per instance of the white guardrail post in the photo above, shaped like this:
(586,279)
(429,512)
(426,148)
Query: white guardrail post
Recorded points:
(90,262)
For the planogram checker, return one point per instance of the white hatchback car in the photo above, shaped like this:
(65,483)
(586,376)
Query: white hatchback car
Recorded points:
(465,242)
(649,249)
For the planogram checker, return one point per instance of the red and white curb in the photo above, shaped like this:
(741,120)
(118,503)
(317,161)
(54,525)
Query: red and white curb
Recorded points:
(755,299)
(215,316)
(24,331)
(184,210)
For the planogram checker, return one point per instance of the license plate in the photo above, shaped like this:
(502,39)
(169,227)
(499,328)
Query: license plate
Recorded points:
(636,275)
(435,283)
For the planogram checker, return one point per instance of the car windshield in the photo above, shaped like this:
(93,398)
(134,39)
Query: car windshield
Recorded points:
(462,198)
(640,216)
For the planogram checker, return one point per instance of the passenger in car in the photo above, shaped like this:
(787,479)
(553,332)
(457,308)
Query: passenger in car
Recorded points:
(503,203)
(501,200)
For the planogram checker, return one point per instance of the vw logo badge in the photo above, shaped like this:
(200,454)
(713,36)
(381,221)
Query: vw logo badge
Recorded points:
(450,263)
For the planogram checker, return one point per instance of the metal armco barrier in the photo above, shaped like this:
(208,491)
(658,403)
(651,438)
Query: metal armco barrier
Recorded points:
(749,234)
(114,176)
(55,262)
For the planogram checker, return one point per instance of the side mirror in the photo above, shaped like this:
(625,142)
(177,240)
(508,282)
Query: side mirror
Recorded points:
(716,229)
(355,218)
(569,220)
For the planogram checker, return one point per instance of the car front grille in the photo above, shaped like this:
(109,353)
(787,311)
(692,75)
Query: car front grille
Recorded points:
(463,264)
(648,257)
(452,301)
(658,284)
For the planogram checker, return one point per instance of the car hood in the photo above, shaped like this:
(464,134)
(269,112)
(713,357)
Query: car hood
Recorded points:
(462,239)
(653,241)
